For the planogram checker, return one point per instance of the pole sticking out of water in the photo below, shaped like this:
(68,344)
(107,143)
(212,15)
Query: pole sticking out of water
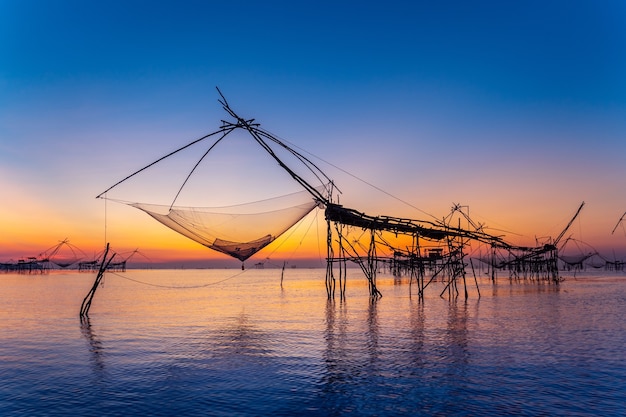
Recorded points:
(86,304)
(282,274)
(475,280)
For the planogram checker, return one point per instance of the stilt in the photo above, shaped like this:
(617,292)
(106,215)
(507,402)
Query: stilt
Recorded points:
(86,304)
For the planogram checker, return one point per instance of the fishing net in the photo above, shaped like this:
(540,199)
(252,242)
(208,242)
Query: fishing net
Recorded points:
(63,255)
(575,259)
(239,231)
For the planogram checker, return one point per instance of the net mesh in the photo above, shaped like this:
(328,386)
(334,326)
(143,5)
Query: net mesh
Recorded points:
(239,231)
(63,255)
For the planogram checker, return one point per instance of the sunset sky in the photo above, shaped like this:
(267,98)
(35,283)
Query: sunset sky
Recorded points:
(514,109)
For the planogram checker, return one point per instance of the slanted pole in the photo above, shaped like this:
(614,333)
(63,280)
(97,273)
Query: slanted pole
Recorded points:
(475,280)
(86,304)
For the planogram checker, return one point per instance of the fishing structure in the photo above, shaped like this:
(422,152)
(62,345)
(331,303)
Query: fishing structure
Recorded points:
(62,255)
(615,264)
(65,255)
(24,266)
(427,251)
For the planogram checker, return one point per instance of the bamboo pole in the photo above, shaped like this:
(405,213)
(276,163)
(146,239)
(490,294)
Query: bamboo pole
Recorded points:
(86,304)
(475,280)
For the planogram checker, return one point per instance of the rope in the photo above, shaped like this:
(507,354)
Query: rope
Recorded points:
(369,184)
(232,206)
(313,220)
(160,159)
(196,166)
(175,286)
(293,230)
(317,233)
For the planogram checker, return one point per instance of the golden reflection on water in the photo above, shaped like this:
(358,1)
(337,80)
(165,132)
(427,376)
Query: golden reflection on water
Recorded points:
(225,337)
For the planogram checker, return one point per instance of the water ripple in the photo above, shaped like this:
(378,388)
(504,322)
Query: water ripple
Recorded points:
(248,350)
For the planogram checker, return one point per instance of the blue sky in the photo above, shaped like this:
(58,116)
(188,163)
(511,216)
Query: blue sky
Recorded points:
(517,109)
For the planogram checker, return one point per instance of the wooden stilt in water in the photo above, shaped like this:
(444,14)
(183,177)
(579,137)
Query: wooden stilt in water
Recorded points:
(330,279)
(86,304)
(282,274)
(475,280)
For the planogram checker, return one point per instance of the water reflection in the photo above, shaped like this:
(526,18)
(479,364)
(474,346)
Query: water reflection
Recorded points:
(372,336)
(241,338)
(96,348)
(336,355)
(530,349)
(512,287)
(457,333)
(455,344)
(416,337)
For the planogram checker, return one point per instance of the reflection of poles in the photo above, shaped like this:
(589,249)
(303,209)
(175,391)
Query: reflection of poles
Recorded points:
(455,343)
(373,336)
(84,308)
(95,344)
(475,280)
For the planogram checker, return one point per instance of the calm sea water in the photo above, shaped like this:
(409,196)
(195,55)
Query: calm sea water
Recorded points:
(239,344)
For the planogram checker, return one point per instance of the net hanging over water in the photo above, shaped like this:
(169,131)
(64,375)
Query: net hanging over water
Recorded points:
(239,231)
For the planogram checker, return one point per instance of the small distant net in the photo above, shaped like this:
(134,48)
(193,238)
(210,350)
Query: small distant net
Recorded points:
(63,255)
(575,259)
(239,231)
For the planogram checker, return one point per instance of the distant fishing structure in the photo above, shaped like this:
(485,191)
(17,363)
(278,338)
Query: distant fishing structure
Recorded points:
(62,255)
(426,251)
(118,264)
(65,256)
(615,264)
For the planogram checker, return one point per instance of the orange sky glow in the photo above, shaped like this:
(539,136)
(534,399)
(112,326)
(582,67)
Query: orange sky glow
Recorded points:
(515,113)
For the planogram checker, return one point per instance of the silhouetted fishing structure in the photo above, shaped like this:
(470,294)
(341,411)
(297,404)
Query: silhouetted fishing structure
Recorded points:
(118,266)
(63,255)
(427,251)
(25,266)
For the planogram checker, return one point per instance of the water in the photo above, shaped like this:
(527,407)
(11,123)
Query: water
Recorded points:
(239,344)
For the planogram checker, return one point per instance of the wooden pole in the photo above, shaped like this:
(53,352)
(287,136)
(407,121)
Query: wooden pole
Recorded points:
(330,290)
(475,280)
(282,274)
(86,304)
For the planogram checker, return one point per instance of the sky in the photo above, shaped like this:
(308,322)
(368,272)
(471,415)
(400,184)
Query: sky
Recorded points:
(516,110)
